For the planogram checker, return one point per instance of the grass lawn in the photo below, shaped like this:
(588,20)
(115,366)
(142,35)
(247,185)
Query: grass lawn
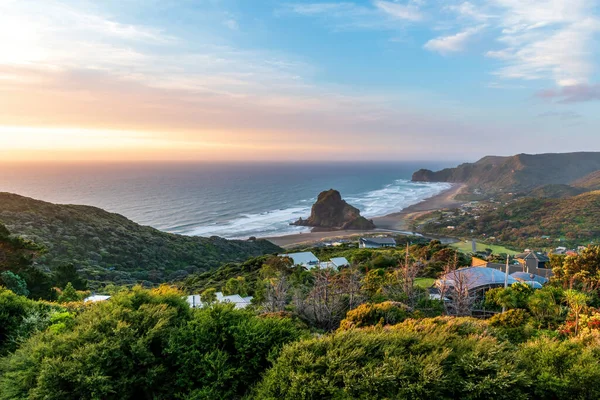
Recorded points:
(424,282)
(465,247)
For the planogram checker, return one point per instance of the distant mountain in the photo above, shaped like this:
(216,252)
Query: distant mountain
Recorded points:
(107,247)
(519,173)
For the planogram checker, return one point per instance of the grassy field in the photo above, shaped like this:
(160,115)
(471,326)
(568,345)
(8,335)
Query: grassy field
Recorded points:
(465,247)
(424,282)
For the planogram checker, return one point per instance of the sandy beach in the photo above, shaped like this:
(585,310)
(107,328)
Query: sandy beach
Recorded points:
(392,223)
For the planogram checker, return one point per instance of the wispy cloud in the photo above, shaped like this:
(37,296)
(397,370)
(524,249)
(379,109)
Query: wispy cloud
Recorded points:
(452,43)
(469,10)
(571,94)
(409,12)
(563,115)
(378,15)
(547,39)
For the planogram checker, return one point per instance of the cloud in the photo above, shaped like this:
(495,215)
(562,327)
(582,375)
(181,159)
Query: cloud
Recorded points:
(564,115)
(546,39)
(468,10)
(571,94)
(399,11)
(380,15)
(453,43)
(231,24)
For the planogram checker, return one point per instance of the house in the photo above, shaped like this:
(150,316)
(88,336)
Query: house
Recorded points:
(476,280)
(96,298)
(305,259)
(239,301)
(478,262)
(535,262)
(309,261)
(339,262)
(376,242)
(528,278)
(560,250)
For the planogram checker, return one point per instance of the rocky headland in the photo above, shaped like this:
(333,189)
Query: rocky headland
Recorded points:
(333,213)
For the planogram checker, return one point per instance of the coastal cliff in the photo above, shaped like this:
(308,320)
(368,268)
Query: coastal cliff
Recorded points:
(332,212)
(518,173)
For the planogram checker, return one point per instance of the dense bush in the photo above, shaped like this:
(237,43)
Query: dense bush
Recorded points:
(369,314)
(146,344)
(441,358)
(220,352)
(514,325)
(562,369)
(20,318)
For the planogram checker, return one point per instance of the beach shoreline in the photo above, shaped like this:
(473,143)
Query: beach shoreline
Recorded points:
(388,224)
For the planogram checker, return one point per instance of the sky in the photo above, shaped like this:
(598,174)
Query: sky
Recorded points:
(206,80)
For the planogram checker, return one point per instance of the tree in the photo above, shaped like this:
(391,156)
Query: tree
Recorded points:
(236,286)
(577,302)
(456,288)
(580,271)
(14,282)
(69,294)
(209,296)
(544,306)
(66,273)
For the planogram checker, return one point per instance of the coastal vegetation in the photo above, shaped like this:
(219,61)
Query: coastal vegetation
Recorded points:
(108,248)
(525,222)
(390,341)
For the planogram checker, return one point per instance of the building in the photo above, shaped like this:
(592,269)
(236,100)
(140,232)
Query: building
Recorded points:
(376,242)
(514,267)
(475,279)
(535,262)
(239,301)
(309,261)
(528,278)
(96,298)
(339,262)
(305,259)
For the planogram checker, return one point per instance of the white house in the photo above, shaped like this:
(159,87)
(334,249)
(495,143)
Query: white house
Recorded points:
(95,298)
(376,242)
(309,261)
(239,301)
(339,262)
(305,259)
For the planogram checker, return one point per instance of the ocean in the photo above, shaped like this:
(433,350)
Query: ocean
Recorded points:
(231,200)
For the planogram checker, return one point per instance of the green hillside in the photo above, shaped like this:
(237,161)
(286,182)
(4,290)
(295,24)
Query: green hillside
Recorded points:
(109,247)
(528,221)
(589,182)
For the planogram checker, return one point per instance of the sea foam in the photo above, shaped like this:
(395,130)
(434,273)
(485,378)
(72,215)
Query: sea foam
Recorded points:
(391,198)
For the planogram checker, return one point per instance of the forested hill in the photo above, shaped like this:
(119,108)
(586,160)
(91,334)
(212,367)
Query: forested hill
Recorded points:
(519,173)
(529,222)
(109,247)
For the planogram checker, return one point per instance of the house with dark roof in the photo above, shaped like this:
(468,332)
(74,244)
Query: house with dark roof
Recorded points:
(535,262)
(376,242)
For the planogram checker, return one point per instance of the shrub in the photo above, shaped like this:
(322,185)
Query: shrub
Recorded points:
(369,314)
(440,358)
(513,325)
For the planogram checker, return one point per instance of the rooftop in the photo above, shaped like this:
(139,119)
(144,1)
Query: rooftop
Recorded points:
(379,240)
(305,259)
(476,277)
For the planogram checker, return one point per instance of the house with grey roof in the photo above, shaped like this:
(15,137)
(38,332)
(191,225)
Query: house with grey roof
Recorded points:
(376,242)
